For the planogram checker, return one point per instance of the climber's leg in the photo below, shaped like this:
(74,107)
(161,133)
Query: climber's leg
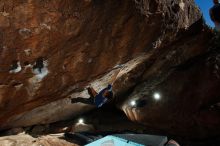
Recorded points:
(83,100)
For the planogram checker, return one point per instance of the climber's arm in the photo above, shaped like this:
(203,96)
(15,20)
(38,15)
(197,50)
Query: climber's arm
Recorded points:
(92,92)
(108,94)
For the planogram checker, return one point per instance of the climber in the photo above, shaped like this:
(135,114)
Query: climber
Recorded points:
(39,64)
(215,14)
(97,99)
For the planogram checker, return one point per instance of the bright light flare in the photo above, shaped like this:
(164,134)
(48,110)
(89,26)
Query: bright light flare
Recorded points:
(157,96)
(133,103)
(81,121)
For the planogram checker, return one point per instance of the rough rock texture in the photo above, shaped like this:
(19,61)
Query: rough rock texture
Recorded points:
(189,92)
(51,50)
(27,140)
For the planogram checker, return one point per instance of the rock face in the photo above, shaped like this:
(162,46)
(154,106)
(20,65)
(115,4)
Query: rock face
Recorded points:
(51,50)
(27,140)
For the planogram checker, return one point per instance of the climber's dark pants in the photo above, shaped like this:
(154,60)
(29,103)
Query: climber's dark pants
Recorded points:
(89,100)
